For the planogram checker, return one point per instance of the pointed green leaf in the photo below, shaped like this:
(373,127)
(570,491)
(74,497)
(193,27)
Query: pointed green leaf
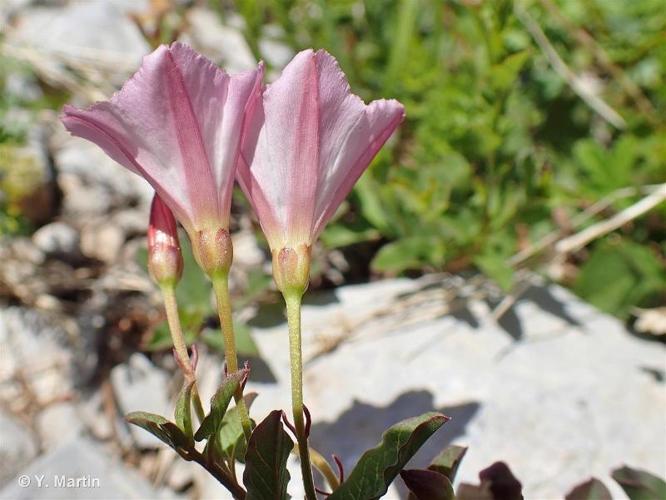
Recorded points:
(639,484)
(161,428)
(266,476)
(183,412)
(448,461)
(230,438)
(427,485)
(378,467)
(592,489)
(219,404)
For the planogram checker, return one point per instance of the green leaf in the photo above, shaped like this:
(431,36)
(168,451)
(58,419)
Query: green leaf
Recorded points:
(339,235)
(592,489)
(230,438)
(266,476)
(448,461)
(371,204)
(427,485)
(639,484)
(245,345)
(409,253)
(495,267)
(378,467)
(183,413)
(620,275)
(161,339)
(161,428)
(219,404)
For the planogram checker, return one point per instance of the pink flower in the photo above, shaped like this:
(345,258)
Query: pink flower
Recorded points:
(165,260)
(177,122)
(309,141)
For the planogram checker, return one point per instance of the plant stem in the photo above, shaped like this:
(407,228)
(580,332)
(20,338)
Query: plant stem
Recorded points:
(180,347)
(221,287)
(293,302)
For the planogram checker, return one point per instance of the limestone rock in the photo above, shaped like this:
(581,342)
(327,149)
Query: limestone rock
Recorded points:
(17,447)
(90,472)
(557,389)
(57,238)
(141,386)
(58,423)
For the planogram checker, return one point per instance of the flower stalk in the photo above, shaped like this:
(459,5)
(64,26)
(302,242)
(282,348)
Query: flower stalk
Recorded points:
(180,347)
(221,288)
(293,303)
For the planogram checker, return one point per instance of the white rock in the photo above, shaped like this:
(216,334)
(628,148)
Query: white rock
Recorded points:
(247,252)
(102,241)
(94,168)
(223,44)
(97,33)
(57,238)
(94,473)
(141,386)
(132,221)
(573,399)
(58,423)
(17,447)
(31,344)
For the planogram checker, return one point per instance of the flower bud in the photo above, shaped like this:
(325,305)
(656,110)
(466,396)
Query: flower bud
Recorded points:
(213,251)
(291,269)
(165,260)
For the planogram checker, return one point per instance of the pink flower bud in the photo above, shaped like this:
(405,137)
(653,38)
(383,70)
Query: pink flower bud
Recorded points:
(165,260)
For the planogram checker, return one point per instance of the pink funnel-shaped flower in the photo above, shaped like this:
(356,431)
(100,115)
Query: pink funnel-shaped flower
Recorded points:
(177,122)
(309,141)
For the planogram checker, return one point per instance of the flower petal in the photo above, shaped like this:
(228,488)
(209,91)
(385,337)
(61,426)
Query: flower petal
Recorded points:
(308,143)
(176,122)
(361,143)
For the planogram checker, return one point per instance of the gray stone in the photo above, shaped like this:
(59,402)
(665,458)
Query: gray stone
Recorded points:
(221,43)
(96,33)
(91,472)
(88,163)
(133,221)
(57,238)
(33,345)
(141,386)
(58,423)
(83,199)
(102,241)
(574,396)
(17,447)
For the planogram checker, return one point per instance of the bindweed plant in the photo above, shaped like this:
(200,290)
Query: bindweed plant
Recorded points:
(296,147)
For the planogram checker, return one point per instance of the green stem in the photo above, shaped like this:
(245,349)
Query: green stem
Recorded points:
(221,287)
(180,347)
(293,302)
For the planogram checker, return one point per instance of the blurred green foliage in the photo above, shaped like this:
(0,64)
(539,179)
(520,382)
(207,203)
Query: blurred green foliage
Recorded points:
(496,141)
